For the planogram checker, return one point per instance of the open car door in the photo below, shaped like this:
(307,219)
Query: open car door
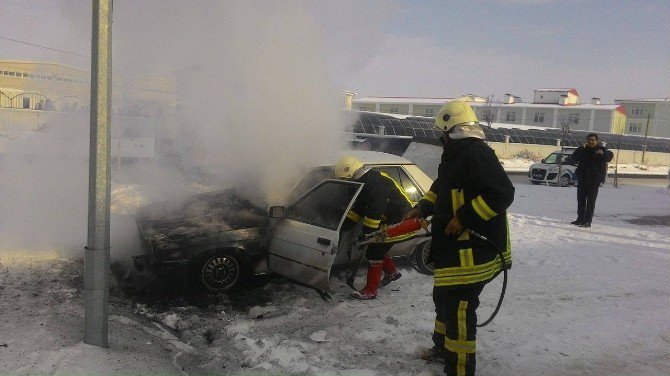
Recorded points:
(304,241)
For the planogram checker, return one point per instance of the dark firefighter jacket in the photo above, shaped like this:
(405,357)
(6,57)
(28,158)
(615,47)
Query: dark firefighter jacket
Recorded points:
(471,184)
(381,201)
(592,167)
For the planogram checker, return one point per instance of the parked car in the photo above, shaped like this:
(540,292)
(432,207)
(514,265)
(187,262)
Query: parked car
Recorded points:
(546,172)
(221,238)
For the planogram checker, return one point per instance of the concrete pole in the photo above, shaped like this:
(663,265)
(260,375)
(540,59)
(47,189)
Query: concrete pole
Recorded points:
(96,262)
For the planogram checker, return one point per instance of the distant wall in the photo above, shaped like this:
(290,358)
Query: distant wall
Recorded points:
(506,151)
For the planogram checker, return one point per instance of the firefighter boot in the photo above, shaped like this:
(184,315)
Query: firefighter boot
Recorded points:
(374,277)
(391,273)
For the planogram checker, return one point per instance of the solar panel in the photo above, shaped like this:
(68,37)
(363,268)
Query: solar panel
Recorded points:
(422,128)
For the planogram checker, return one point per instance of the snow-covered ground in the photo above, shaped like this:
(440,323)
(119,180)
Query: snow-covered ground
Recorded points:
(579,302)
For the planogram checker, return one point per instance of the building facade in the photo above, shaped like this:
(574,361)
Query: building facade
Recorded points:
(551,108)
(56,87)
(647,116)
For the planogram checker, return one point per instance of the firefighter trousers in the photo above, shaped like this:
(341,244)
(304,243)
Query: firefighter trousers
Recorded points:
(456,327)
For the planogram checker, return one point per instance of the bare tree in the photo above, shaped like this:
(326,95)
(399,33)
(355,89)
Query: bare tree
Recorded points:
(490,109)
(565,122)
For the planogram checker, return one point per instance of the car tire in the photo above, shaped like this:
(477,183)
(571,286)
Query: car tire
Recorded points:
(564,181)
(218,272)
(421,258)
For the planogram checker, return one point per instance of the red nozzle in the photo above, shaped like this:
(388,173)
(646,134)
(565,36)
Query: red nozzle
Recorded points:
(404,227)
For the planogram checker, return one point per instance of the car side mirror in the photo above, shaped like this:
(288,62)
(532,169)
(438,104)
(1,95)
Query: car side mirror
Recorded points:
(543,160)
(276,211)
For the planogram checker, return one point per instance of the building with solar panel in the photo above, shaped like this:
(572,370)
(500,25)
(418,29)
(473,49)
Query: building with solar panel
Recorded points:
(551,108)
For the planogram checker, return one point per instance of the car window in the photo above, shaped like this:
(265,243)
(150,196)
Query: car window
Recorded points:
(312,178)
(325,205)
(551,159)
(400,176)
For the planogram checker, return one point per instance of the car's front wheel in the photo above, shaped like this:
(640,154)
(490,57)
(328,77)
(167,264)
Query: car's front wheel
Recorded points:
(219,272)
(565,180)
(421,260)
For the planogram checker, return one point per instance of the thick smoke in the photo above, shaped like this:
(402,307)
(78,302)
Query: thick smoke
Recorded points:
(254,106)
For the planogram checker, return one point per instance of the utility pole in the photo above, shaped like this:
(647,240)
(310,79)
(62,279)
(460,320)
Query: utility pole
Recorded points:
(96,261)
(646,131)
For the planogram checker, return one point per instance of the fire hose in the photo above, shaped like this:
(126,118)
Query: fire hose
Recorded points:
(413,225)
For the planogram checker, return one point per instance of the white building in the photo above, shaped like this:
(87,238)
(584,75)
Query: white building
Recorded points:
(655,112)
(551,108)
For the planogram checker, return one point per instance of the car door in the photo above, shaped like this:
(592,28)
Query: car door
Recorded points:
(304,241)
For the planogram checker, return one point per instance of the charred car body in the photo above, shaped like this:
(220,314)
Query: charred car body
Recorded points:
(221,238)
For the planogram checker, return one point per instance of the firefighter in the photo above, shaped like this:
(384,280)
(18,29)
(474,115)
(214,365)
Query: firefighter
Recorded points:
(382,200)
(472,191)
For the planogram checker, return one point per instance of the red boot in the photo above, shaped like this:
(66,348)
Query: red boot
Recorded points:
(391,272)
(374,277)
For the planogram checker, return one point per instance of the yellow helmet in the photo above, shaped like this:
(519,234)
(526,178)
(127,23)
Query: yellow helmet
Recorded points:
(453,113)
(347,166)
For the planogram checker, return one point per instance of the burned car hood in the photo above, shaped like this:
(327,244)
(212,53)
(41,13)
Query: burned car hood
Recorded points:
(204,218)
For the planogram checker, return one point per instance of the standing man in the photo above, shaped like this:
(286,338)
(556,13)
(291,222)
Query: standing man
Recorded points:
(382,200)
(591,171)
(472,192)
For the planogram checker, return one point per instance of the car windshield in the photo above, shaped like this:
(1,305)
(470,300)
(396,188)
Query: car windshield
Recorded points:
(552,158)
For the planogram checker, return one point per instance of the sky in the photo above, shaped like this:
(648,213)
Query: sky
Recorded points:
(606,49)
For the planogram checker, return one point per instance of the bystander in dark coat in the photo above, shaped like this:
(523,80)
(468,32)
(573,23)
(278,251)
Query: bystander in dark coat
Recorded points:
(592,158)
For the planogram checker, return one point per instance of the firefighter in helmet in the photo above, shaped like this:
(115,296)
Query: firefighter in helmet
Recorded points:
(382,200)
(471,192)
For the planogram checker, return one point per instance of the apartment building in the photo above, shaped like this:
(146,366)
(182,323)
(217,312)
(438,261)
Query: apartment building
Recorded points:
(647,116)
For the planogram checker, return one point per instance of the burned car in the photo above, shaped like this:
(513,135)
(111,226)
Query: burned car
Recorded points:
(221,238)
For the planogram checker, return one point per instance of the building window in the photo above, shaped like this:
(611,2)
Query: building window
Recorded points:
(636,111)
(539,117)
(511,116)
(575,118)
(394,110)
(26,102)
(430,112)
(11,73)
(634,128)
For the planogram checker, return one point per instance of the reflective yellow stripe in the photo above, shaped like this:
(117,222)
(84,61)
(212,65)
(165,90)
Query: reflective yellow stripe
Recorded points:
(460,346)
(454,201)
(372,223)
(430,196)
(461,270)
(440,328)
(482,209)
(399,187)
(466,257)
(353,216)
(462,336)
(458,200)
(462,275)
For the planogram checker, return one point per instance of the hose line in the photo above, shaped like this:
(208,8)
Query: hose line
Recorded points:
(504,268)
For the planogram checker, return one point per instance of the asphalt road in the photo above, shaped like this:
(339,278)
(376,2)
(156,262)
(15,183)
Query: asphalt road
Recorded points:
(648,182)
